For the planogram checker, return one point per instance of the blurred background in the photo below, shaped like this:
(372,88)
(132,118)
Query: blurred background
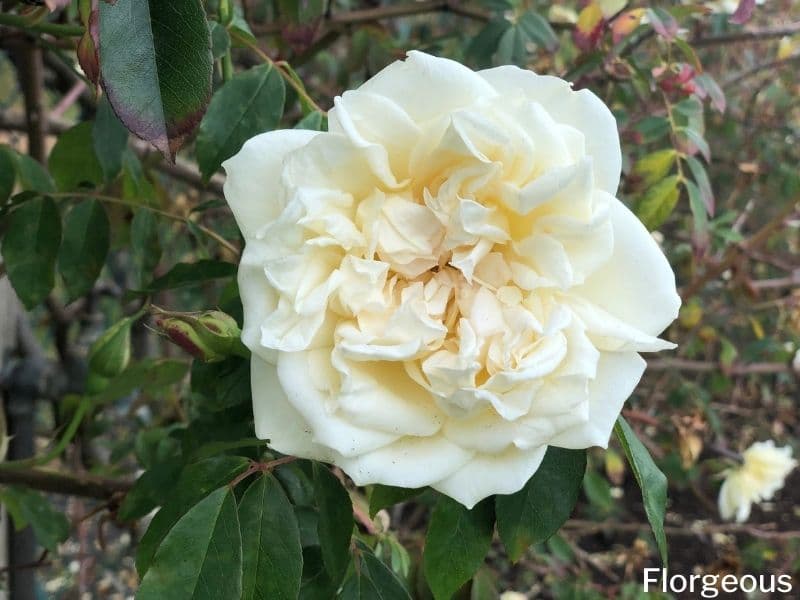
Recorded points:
(706,97)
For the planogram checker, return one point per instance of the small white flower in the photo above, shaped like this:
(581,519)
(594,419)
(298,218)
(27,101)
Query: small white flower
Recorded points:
(444,283)
(763,473)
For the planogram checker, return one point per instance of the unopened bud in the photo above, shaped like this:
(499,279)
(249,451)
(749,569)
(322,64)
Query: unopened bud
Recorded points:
(209,336)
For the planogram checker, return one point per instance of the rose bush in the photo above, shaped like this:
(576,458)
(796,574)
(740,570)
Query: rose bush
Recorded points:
(444,284)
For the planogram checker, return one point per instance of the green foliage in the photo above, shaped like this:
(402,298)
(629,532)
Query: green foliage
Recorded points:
(84,247)
(30,248)
(72,161)
(273,557)
(128,232)
(196,481)
(156,67)
(249,104)
(658,202)
(456,544)
(651,480)
(201,556)
(538,510)
(372,579)
(384,496)
(28,507)
(335,521)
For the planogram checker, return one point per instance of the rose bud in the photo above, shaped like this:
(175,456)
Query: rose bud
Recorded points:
(209,336)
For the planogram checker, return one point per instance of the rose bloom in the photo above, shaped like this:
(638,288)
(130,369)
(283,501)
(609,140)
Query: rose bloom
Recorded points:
(444,284)
(762,473)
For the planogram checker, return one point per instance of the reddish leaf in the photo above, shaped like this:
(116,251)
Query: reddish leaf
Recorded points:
(663,23)
(88,55)
(624,24)
(743,12)
(589,27)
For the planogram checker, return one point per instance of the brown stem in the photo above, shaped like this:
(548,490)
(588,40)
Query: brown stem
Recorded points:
(732,254)
(702,366)
(31,74)
(84,485)
(752,35)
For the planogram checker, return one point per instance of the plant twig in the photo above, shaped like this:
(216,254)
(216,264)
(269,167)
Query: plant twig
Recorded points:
(84,485)
(114,200)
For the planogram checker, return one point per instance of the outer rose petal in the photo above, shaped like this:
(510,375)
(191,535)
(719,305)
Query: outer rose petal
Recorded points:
(278,421)
(582,110)
(252,186)
(410,462)
(617,376)
(298,373)
(637,284)
(259,299)
(427,87)
(488,474)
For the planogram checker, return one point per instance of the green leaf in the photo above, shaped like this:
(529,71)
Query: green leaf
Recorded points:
(110,138)
(111,352)
(8,175)
(145,245)
(302,11)
(538,30)
(222,384)
(651,481)
(148,375)
(185,274)
(335,525)
(484,45)
(658,202)
(249,104)
(31,508)
(699,211)
(30,174)
(84,247)
(196,482)
(537,511)
(30,247)
(703,183)
(220,40)
(148,491)
(695,138)
(273,558)
(456,544)
(372,580)
(156,67)
(315,121)
(201,557)
(72,160)
(654,166)
(384,496)
(653,129)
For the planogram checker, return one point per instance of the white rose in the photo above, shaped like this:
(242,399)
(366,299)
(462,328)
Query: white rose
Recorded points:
(762,473)
(444,284)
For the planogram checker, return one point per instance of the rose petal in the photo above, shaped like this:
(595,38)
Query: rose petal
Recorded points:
(410,462)
(488,474)
(375,121)
(313,403)
(617,376)
(426,86)
(582,110)
(278,421)
(252,187)
(259,299)
(637,284)
(381,396)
